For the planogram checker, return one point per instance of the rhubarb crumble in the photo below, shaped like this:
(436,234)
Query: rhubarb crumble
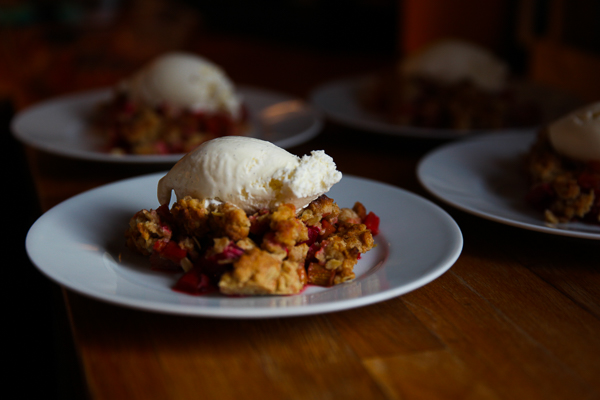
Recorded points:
(278,251)
(563,188)
(132,128)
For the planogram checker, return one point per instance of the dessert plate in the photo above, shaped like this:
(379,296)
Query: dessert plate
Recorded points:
(79,244)
(61,125)
(339,100)
(484,176)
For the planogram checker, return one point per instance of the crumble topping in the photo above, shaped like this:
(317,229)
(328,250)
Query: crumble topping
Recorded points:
(563,188)
(134,128)
(269,252)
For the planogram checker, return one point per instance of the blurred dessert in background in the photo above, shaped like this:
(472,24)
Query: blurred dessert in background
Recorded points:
(450,84)
(171,105)
(564,168)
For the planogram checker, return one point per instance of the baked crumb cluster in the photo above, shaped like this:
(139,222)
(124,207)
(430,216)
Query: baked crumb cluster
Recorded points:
(269,252)
(563,188)
(131,128)
(426,103)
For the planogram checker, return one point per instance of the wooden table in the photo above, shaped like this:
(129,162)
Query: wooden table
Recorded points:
(516,317)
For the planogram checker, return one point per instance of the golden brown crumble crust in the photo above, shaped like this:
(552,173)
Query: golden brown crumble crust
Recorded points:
(270,252)
(143,130)
(566,184)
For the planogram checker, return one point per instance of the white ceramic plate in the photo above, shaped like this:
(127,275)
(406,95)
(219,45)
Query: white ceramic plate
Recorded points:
(484,176)
(79,244)
(60,126)
(339,101)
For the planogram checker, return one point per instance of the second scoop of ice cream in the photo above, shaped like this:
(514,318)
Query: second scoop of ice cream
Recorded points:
(452,61)
(577,135)
(183,81)
(251,173)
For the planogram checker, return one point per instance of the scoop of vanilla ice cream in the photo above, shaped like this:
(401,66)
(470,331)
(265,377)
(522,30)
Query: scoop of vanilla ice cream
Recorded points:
(253,174)
(183,81)
(452,61)
(577,135)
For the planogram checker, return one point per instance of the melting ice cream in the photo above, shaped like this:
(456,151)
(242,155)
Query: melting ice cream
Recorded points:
(577,135)
(453,61)
(251,173)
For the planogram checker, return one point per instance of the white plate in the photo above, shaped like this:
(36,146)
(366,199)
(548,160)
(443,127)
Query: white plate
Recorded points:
(60,126)
(79,244)
(484,176)
(339,101)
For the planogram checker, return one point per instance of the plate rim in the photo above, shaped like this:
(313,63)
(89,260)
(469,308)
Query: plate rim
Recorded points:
(428,158)
(98,156)
(424,278)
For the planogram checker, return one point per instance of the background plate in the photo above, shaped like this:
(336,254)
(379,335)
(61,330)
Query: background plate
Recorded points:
(484,176)
(61,125)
